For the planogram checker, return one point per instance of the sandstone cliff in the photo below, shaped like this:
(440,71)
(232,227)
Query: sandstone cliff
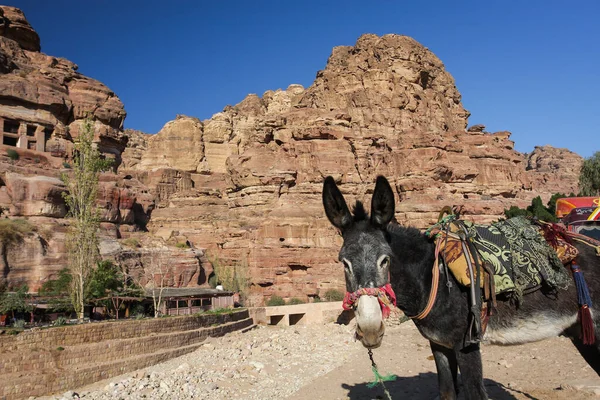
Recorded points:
(244,187)
(250,177)
(43,101)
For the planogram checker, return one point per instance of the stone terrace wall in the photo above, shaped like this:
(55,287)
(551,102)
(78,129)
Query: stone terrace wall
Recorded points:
(48,361)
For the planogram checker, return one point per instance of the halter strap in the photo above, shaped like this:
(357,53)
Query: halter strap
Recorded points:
(435,279)
(385,295)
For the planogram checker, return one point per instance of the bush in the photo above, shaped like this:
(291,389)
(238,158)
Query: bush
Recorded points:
(181,245)
(275,301)
(20,324)
(66,165)
(12,154)
(131,242)
(334,295)
(295,300)
(13,230)
(60,321)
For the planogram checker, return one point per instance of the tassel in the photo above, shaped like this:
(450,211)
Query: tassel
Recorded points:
(587,325)
(585,302)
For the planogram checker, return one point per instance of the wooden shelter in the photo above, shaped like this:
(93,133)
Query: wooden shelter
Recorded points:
(186,301)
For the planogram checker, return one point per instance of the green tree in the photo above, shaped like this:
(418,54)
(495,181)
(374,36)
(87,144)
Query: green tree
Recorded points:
(58,290)
(539,211)
(19,301)
(81,195)
(106,278)
(536,209)
(589,176)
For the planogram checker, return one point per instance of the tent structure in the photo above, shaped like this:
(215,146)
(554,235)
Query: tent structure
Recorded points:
(566,205)
(580,215)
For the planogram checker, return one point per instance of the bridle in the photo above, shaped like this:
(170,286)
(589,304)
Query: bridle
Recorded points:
(386,296)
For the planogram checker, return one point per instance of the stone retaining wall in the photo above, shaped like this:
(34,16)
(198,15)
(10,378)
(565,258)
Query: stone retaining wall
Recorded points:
(42,362)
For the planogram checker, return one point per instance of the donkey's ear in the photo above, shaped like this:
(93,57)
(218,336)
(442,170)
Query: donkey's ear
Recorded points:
(335,205)
(382,204)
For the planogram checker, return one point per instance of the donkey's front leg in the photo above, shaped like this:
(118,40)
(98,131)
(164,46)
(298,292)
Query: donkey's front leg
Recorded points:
(445,362)
(471,372)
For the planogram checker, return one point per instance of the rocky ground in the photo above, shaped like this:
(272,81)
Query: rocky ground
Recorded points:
(324,362)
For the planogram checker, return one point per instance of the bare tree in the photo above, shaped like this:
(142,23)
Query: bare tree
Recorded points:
(154,276)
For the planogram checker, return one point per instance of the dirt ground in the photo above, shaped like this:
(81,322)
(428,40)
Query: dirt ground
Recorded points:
(551,369)
(323,362)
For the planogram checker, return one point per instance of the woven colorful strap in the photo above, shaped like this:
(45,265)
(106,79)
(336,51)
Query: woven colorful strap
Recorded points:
(385,295)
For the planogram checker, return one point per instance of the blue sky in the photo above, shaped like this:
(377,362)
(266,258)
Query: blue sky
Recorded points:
(530,67)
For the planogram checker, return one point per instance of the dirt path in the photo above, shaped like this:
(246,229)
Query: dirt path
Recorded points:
(323,362)
(552,369)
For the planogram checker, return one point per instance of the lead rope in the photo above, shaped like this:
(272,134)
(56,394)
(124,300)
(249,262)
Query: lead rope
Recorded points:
(379,378)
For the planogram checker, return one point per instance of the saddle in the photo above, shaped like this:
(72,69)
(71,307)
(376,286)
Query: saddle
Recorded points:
(506,259)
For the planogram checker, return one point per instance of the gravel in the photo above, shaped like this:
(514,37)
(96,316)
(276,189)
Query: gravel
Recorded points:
(263,363)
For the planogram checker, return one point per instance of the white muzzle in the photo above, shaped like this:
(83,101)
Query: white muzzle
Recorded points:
(369,321)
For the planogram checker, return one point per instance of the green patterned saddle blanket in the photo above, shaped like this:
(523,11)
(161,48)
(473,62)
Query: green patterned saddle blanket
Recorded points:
(519,256)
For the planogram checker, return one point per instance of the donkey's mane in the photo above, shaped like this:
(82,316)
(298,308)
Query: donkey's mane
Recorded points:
(359,212)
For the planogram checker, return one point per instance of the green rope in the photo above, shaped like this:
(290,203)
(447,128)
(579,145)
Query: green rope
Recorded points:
(380,379)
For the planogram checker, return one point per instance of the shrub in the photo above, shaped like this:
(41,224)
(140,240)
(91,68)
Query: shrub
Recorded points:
(317,299)
(295,300)
(20,324)
(60,321)
(181,245)
(334,295)
(13,230)
(131,242)
(66,165)
(275,301)
(60,348)
(12,154)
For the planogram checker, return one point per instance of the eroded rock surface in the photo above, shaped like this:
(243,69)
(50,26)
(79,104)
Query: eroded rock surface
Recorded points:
(384,106)
(243,188)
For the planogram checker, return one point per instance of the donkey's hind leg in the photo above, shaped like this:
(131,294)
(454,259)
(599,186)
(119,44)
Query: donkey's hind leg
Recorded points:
(471,372)
(445,362)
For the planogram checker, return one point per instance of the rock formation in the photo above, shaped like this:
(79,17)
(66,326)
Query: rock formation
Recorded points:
(43,101)
(384,106)
(243,188)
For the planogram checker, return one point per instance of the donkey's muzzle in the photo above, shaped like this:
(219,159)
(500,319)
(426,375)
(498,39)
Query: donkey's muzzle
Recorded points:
(369,321)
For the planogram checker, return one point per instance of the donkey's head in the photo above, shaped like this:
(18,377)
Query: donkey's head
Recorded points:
(365,253)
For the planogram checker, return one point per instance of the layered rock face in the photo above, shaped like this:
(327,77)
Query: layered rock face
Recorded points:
(243,188)
(249,187)
(43,101)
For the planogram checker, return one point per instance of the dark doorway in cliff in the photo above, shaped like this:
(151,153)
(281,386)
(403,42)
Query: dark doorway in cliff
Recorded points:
(140,218)
(48,133)
(424,79)
(202,279)
(11,126)
(9,141)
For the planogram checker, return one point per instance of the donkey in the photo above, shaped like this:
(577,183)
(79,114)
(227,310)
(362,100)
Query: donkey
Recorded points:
(376,252)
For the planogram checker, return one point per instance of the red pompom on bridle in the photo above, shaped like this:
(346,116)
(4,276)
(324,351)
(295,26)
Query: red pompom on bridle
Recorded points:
(385,295)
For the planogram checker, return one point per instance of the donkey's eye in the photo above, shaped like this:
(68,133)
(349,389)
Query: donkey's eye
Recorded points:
(347,265)
(384,262)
